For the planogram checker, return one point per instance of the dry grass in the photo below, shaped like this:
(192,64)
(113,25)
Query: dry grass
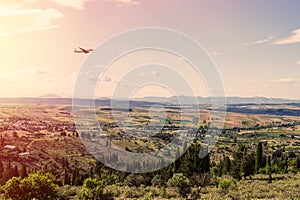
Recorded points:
(287,187)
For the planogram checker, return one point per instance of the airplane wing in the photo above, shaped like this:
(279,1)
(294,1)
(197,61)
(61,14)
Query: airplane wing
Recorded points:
(82,50)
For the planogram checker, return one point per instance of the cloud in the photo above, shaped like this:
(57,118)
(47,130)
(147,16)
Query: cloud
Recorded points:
(298,62)
(262,41)
(23,71)
(75,4)
(79,4)
(21,74)
(285,80)
(90,76)
(11,75)
(14,19)
(293,38)
(41,71)
(127,2)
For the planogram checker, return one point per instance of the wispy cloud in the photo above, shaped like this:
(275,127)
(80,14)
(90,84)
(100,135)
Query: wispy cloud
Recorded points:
(79,4)
(293,38)
(75,4)
(262,41)
(41,71)
(285,80)
(17,75)
(14,19)
(127,2)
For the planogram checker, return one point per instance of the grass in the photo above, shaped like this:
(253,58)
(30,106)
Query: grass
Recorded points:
(286,187)
(283,187)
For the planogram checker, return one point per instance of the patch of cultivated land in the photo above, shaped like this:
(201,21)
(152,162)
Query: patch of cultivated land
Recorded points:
(45,134)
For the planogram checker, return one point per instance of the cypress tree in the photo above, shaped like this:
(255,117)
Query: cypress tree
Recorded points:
(258,157)
(1,168)
(15,171)
(23,171)
(226,165)
(298,163)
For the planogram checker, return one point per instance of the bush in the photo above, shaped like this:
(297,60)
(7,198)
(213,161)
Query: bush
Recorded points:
(224,184)
(136,180)
(157,181)
(182,183)
(67,191)
(35,186)
(93,189)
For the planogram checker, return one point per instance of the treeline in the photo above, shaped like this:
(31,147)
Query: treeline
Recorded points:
(245,163)
(183,173)
(9,171)
(187,172)
(256,127)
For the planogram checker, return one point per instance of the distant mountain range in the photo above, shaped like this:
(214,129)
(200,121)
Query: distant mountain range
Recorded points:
(55,99)
(209,100)
(234,104)
(50,96)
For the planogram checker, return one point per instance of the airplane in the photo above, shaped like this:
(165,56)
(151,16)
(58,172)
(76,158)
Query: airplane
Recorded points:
(82,50)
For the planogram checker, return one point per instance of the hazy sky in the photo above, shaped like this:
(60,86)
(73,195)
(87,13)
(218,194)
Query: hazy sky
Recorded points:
(254,44)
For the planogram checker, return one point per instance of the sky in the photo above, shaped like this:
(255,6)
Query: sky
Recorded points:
(255,45)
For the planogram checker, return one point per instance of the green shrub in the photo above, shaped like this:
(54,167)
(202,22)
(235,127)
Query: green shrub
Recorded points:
(182,183)
(35,186)
(93,189)
(225,184)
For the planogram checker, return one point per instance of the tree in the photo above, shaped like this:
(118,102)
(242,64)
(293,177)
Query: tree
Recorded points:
(76,177)
(182,183)
(298,164)
(1,168)
(15,171)
(35,186)
(226,165)
(258,157)
(237,162)
(7,173)
(236,169)
(190,162)
(93,189)
(248,165)
(135,180)
(200,180)
(13,190)
(67,178)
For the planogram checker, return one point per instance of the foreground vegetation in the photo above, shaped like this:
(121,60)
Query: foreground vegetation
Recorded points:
(247,176)
(253,160)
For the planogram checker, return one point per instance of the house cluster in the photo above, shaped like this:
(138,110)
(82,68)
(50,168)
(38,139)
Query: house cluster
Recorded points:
(30,128)
(35,126)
